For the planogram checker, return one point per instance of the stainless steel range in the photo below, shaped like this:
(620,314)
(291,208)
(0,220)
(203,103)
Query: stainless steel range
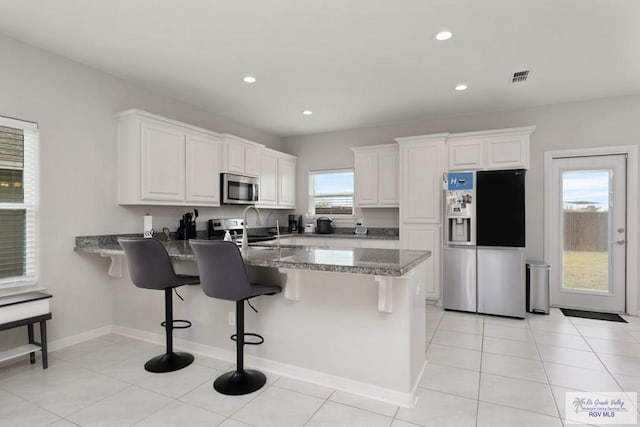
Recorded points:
(216,229)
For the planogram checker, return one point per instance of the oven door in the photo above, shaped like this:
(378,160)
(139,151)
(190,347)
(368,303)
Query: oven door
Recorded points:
(238,189)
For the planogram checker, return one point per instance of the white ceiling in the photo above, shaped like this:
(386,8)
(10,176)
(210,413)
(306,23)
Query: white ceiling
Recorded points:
(355,63)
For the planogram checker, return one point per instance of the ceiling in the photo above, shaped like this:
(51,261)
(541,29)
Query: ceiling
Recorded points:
(354,63)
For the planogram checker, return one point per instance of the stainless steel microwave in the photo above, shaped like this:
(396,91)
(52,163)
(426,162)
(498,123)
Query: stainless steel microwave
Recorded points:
(238,189)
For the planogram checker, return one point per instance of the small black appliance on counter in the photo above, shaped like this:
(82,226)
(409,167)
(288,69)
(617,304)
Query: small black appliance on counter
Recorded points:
(325,225)
(293,223)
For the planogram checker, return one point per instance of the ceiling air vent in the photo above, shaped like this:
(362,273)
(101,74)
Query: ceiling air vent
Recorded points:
(519,76)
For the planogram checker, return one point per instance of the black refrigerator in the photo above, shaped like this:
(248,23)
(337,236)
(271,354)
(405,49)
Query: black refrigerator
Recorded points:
(500,240)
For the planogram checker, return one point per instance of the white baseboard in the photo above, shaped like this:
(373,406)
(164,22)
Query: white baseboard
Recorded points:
(76,339)
(394,397)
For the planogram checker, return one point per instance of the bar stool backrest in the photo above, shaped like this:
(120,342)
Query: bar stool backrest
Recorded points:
(149,264)
(222,271)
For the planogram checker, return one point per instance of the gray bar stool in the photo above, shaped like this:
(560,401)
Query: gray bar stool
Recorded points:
(150,267)
(223,275)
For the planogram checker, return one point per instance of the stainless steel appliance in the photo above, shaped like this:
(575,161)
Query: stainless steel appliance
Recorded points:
(459,256)
(217,227)
(238,189)
(491,226)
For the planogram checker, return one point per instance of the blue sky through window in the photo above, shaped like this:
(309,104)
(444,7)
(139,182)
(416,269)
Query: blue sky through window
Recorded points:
(583,189)
(333,183)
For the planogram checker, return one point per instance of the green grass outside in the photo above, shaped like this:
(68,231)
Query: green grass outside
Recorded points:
(586,270)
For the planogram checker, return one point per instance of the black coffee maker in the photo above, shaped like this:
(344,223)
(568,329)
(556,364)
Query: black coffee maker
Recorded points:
(187,229)
(293,223)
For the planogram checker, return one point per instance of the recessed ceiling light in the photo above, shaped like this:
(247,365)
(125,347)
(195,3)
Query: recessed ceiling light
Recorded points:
(307,112)
(444,35)
(249,79)
(461,87)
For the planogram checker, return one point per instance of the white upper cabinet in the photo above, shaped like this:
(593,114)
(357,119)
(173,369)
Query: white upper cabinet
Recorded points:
(494,149)
(466,154)
(287,182)
(277,180)
(509,151)
(165,162)
(162,164)
(241,156)
(268,187)
(203,170)
(376,176)
(421,168)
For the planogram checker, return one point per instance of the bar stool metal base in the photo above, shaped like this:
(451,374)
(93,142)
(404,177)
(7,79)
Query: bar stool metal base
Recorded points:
(236,383)
(168,362)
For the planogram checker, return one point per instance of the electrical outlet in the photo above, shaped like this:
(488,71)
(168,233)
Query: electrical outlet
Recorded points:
(232,318)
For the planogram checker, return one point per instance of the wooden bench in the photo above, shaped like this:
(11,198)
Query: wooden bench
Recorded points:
(25,310)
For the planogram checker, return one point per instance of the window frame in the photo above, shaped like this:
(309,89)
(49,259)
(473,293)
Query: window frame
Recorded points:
(311,192)
(30,203)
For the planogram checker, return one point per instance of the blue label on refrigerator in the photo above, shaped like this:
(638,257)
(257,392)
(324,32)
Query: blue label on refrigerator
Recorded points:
(460,181)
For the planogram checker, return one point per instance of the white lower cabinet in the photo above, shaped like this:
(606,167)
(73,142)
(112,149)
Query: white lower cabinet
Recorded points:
(379,243)
(426,237)
(338,242)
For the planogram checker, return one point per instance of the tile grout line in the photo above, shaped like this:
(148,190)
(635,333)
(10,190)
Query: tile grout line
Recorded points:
(480,373)
(546,375)
(604,364)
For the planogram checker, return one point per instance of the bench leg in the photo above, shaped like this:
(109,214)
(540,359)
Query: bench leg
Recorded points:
(43,344)
(32,355)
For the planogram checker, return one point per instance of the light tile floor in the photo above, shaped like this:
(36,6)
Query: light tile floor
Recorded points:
(482,371)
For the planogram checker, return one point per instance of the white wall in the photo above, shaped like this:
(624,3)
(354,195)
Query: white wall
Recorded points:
(74,106)
(599,123)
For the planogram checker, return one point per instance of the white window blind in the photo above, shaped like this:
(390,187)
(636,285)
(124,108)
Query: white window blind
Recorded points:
(18,202)
(331,192)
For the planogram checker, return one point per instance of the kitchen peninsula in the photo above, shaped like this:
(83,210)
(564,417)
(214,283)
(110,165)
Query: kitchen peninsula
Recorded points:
(351,318)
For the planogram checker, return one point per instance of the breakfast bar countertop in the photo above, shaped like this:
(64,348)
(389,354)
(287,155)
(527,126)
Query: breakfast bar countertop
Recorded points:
(380,262)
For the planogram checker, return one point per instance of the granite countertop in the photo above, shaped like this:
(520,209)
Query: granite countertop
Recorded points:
(347,233)
(381,262)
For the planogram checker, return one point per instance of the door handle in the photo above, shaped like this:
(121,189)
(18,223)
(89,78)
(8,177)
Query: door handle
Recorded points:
(620,230)
(620,242)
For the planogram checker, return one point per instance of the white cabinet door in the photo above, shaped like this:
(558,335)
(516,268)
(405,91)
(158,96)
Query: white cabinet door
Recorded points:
(466,154)
(311,241)
(252,160)
(508,152)
(421,181)
(162,163)
(268,187)
(203,170)
(376,176)
(388,177)
(426,237)
(379,243)
(235,158)
(366,178)
(337,242)
(286,183)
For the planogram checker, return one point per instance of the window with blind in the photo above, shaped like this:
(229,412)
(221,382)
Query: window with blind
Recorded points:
(331,192)
(18,202)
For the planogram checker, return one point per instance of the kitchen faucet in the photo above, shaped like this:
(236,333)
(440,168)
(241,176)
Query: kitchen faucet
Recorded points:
(245,238)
